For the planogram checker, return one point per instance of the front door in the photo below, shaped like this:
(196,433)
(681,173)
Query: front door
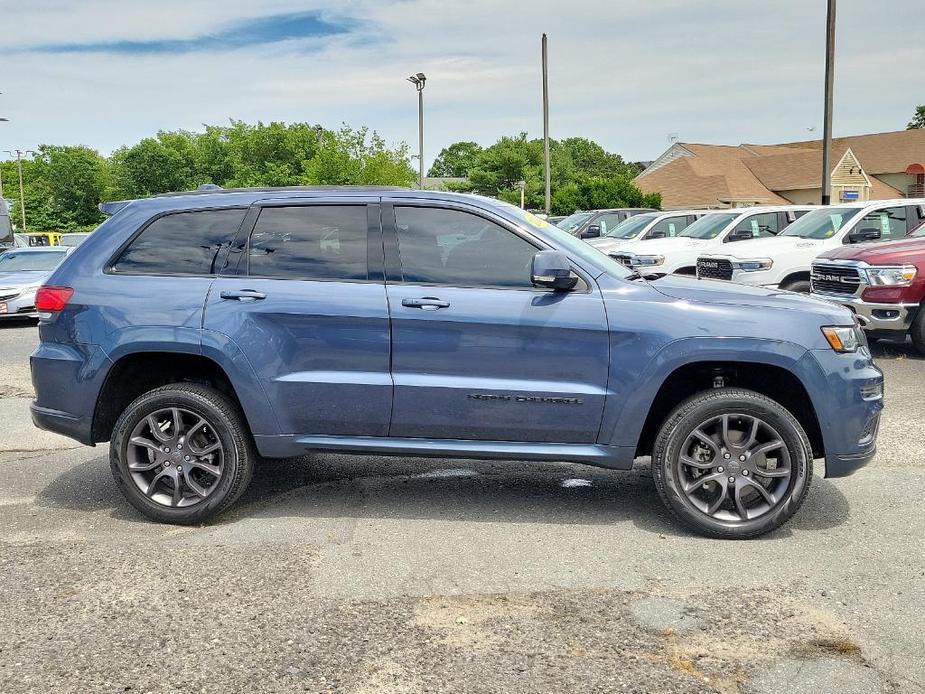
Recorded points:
(478,352)
(306,305)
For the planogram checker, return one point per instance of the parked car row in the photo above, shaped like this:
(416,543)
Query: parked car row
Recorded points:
(596,223)
(22,272)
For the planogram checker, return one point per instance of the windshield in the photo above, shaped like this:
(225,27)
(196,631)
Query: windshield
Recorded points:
(573,221)
(571,244)
(709,227)
(630,228)
(23,261)
(821,224)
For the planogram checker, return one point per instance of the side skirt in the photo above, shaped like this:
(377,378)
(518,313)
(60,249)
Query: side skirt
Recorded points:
(614,457)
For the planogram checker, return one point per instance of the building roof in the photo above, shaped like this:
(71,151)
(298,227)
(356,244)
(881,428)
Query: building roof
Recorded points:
(699,174)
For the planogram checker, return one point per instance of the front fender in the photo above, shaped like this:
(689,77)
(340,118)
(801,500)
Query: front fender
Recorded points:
(629,404)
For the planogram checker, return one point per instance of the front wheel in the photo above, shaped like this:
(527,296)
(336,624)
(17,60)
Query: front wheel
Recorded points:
(917,331)
(182,453)
(732,463)
(799,286)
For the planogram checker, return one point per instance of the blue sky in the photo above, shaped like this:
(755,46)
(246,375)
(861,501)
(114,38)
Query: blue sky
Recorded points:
(630,75)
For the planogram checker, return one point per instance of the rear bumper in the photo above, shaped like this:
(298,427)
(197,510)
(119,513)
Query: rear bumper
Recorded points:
(844,465)
(878,317)
(67,380)
(63,423)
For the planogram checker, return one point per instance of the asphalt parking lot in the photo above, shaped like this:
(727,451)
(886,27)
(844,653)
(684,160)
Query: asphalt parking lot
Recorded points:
(365,574)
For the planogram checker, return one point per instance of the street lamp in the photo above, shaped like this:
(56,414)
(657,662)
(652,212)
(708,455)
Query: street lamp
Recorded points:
(418,81)
(22,197)
(523,187)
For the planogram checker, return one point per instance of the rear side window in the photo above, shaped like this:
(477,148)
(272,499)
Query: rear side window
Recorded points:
(184,243)
(320,242)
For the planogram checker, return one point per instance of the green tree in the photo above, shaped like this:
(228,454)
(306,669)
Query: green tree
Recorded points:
(918,120)
(583,175)
(455,160)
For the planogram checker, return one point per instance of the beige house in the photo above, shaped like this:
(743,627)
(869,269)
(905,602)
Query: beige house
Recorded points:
(882,166)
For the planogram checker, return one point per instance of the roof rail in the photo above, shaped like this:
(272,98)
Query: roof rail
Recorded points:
(212,189)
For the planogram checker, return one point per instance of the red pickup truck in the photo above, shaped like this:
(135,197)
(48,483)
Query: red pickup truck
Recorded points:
(883,283)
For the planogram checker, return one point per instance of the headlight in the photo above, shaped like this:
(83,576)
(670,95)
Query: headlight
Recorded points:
(843,338)
(753,265)
(890,276)
(647,260)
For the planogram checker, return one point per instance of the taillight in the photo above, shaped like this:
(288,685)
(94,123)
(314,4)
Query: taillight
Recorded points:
(52,298)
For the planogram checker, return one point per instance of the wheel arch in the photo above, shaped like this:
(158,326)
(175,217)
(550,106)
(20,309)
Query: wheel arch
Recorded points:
(133,373)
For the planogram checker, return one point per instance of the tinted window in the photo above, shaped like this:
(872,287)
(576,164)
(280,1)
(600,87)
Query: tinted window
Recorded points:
(320,242)
(891,223)
(670,226)
(760,225)
(185,243)
(609,221)
(439,246)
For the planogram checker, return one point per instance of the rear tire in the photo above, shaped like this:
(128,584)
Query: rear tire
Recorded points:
(799,286)
(182,453)
(917,331)
(717,448)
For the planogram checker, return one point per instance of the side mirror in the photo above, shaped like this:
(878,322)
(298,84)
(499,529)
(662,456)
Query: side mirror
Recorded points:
(656,235)
(865,234)
(592,232)
(551,269)
(741,235)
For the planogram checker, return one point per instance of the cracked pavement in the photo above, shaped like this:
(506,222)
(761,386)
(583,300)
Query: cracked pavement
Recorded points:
(366,574)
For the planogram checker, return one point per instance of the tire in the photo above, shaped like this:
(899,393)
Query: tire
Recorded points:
(221,461)
(917,331)
(799,286)
(701,413)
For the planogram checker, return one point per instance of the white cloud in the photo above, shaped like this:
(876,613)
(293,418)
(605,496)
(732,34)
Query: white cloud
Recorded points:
(623,73)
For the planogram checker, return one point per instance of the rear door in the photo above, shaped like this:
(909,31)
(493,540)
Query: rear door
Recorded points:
(304,299)
(478,352)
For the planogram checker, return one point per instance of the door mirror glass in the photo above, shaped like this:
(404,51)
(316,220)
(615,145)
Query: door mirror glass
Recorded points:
(551,269)
(656,234)
(741,234)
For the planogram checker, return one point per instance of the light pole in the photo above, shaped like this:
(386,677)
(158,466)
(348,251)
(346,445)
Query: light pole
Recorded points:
(418,81)
(22,197)
(546,176)
(523,187)
(829,88)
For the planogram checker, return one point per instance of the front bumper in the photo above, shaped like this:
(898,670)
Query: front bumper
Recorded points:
(848,398)
(875,316)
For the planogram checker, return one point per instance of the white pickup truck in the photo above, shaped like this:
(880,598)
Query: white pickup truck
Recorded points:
(785,261)
(646,226)
(708,234)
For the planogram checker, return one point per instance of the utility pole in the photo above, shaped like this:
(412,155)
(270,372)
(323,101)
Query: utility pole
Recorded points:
(546,124)
(418,81)
(829,88)
(22,197)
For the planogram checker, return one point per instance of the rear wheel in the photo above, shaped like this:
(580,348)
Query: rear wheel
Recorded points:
(799,286)
(732,463)
(182,453)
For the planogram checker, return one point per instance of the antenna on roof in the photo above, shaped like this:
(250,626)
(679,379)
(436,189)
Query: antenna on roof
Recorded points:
(674,137)
(209,186)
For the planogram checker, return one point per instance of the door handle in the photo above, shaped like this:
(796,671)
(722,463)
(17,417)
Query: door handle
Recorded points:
(243,295)
(427,303)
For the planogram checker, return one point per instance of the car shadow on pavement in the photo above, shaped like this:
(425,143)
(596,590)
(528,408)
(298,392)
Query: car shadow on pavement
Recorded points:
(342,486)
(889,349)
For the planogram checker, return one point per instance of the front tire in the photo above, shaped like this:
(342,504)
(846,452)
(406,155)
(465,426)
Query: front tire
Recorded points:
(182,453)
(798,286)
(917,331)
(732,463)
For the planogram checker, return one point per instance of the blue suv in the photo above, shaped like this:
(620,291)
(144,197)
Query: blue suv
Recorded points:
(196,331)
